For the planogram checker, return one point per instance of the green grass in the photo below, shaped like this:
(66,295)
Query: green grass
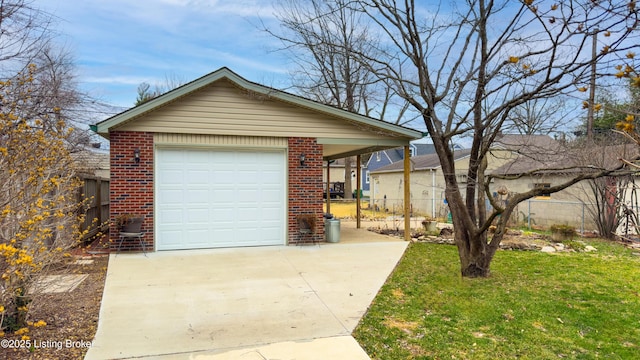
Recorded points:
(534,306)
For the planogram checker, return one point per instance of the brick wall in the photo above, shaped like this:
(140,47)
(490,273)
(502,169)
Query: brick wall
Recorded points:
(131,187)
(305,187)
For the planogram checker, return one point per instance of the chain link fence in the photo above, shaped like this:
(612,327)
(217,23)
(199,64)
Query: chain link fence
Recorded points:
(540,213)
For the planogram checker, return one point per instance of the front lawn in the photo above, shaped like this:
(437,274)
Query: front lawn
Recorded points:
(534,306)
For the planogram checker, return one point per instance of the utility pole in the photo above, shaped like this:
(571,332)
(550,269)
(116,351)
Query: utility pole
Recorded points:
(592,86)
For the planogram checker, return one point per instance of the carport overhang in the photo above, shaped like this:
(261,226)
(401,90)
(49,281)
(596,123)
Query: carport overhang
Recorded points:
(341,148)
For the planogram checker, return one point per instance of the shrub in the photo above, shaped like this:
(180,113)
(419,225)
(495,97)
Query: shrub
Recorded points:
(560,232)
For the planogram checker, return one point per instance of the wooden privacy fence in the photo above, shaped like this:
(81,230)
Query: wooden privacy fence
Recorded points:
(95,189)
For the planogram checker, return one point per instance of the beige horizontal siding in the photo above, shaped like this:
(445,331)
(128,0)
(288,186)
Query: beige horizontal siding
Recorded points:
(224,109)
(219,140)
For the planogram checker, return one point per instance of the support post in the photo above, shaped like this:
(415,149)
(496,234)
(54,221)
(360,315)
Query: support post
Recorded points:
(328,188)
(407,195)
(358,190)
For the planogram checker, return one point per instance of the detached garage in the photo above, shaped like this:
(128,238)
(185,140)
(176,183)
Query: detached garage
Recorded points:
(224,162)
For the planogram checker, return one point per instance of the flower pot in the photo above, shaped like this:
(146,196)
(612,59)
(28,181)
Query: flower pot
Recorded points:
(133,225)
(430,225)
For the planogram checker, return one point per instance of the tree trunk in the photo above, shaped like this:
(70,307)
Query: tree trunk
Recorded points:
(475,255)
(348,189)
(475,267)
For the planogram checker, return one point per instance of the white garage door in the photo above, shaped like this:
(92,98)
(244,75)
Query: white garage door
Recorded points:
(215,198)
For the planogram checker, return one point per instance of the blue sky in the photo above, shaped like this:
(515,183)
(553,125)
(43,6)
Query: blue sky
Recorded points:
(118,44)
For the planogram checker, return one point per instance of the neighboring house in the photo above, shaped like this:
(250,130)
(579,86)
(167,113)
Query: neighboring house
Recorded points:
(427,181)
(92,162)
(383,158)
(427,184)
(337,169)
(545,166)
(225,162)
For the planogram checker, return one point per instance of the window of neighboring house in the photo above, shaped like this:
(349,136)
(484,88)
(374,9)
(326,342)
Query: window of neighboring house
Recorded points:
(543,186)
(366,177)
(412,151)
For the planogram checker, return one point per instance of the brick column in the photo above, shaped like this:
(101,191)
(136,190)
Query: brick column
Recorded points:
(131,184)
(305,187)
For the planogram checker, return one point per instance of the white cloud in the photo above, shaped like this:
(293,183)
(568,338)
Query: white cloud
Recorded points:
(120,80)
(121,43)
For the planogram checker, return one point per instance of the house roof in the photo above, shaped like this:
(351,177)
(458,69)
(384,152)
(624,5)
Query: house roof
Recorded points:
(422,162)
(397,153)
(561,159)
(397,134)
(532,152)
(89,161)
(526,143)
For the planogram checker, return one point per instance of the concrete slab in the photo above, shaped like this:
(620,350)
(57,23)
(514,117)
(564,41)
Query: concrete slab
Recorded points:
(339,347)
(58,283)
(83,262)
(283,300)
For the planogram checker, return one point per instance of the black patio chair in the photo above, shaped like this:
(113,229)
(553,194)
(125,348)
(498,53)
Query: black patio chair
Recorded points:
(132,229)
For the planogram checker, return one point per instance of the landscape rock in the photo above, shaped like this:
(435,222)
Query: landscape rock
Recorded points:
(446,232)
(548,249)
(589,248)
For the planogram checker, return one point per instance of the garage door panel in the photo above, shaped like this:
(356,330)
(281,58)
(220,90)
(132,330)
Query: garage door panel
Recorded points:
(248,196)
(173,197)
(170,239)
(272,196)
(224,196)
(198,177)
(198,217)
(197,196)
(173,157)
(223,233)
(270,217)
(170,216)
(221,176)
(172,177)
(196,236)
(218,198)
(270,178)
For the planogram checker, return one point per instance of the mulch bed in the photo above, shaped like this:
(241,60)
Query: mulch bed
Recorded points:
(71,317)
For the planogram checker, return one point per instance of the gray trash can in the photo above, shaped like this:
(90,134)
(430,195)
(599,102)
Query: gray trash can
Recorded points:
(332,230)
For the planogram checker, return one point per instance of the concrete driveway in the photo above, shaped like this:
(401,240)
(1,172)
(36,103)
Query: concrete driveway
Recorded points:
(283,302)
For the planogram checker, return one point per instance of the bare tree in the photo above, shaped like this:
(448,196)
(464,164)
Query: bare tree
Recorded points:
(25,30)
(39,205)
(326,39)
(538,116)
(603,198)
(466,66)
(147,93)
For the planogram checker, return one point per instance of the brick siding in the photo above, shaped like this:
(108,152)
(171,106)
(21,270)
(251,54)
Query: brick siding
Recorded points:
(131,187)
(305,188)
(132,192)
